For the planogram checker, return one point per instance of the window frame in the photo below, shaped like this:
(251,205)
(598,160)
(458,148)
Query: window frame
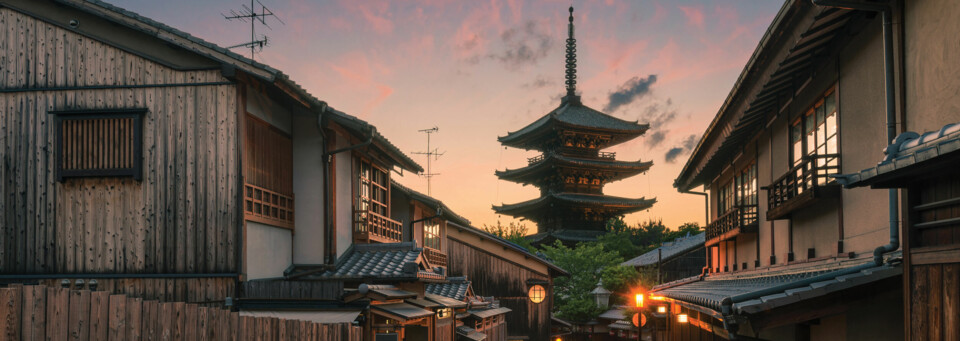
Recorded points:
(136,172)
(427,234)
(360,180)
(815,130)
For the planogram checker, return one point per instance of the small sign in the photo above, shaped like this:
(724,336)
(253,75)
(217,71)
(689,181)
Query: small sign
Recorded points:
(639,320)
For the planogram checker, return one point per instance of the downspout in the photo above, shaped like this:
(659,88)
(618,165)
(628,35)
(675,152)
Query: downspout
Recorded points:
(886,13)
(706,222)
(327,157)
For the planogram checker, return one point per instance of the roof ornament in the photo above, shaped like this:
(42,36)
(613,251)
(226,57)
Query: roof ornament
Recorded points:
(571,74)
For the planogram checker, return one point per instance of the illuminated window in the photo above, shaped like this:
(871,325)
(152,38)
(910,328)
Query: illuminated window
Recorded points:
(431,234)
(816,134)
(537,293)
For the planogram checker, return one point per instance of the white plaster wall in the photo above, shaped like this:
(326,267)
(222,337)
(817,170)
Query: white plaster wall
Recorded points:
(931,68)
(268,251)
(308,243)
(344,196)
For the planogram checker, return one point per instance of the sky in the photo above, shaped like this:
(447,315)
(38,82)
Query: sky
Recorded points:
(477,70)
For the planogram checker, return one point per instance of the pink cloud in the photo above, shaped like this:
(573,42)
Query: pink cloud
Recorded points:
(694,15)
(376,14)
(357,71)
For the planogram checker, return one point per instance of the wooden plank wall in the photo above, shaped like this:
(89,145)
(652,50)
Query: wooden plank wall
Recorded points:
(934,302)
(40,312)
(204,291)
(317,290)
(507,282)
(181,218)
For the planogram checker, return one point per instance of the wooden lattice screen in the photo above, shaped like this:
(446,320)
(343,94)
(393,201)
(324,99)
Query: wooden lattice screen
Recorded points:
(268,174)
(99,143)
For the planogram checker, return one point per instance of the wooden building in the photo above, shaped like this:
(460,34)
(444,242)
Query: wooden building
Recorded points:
(790,254)
(677,259)
(572,169)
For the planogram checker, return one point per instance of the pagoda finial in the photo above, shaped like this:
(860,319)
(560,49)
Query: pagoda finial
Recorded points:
(571,60)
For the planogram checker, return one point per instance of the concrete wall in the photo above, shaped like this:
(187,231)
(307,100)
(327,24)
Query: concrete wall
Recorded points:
(930,67)
(308,246)
(268,251)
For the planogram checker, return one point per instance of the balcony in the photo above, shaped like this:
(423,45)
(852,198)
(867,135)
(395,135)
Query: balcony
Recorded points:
(740,219)
(435,257)
(803,185)
(369,226)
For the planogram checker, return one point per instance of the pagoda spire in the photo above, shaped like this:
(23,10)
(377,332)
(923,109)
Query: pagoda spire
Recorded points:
(571,75)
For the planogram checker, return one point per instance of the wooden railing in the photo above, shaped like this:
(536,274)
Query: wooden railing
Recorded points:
(607,155)
(535,159)
(435,257)
(736,218)
(268,207)
(801,181)
(370,226)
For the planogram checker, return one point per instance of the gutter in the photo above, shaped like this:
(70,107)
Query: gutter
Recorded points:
(706,222)
(886,12)
(327,157)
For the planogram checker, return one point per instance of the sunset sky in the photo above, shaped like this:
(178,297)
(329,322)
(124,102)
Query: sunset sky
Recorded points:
(479,69)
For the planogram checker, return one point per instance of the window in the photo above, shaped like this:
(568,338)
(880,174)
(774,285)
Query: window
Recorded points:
(537,293)
(725,200)
(431,234)
(99,143)
(746,186)
(267,174)
(815,135)
(372,184)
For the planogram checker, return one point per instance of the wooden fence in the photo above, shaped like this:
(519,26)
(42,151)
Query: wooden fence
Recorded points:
(44,313)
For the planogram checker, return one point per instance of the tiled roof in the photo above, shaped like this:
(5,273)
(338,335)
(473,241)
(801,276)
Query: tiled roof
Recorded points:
(614,314)
(391,261)
(404,310)
(908,151)
(626,205)
(456,288)
(622,169)
(751,294)
(511,245)
(622,325)
(669,250)
(484,313)
(565,235)
(446,301)
(574,113)
(467,333)
(447,212)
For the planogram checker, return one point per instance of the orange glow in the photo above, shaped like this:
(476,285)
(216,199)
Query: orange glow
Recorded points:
(640,300)
(662,309)
(656,298)
(558,339)
(682,318)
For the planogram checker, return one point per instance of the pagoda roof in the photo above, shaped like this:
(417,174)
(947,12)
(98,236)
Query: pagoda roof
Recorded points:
(624,205)
(533,171)
(572,114)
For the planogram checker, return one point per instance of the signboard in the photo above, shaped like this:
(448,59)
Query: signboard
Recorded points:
(639,320)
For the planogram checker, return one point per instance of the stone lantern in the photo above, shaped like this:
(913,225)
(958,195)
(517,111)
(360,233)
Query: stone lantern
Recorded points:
(601,296)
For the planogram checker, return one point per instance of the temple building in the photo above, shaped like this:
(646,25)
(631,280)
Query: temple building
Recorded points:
(572,169)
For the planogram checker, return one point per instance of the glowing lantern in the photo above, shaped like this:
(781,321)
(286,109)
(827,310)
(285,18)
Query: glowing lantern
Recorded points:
(537,293)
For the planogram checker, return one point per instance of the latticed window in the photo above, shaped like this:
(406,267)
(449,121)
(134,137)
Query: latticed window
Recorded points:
(725,200)
(816,134)
(267,174)
(431,234)
(99,143)
(746,185)
(372,185)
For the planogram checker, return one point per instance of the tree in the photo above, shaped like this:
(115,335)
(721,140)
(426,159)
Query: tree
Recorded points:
(514,232)
(585,263)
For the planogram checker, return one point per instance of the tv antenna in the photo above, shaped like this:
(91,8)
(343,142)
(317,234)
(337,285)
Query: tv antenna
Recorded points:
(250,14)
(432,154)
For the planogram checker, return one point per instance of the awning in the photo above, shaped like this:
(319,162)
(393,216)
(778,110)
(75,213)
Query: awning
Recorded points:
(613,314)
(402,311)
(446,301)
(489,312)
(622,325)
(467,333)
(325,317)
(754,294)
(423,303)
(911,155)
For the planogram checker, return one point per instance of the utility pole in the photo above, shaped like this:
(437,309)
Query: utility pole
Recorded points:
(250,14)
(432,154)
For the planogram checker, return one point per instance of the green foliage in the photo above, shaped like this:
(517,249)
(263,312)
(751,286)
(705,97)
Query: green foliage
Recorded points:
(584,264)
(513,232)
(620,279)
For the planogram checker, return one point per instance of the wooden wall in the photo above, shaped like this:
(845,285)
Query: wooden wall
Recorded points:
(506,281)
(183,216)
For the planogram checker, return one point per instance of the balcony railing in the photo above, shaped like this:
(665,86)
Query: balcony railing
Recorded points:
(607,155)
(802,185)
(535,159)
(740,219)
(369,226)
(435,257)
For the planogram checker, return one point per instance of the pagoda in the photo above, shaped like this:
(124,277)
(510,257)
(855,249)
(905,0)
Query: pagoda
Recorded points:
(572,169)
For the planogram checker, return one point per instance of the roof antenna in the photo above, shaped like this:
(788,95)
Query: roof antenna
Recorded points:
(571,73)
(250,14)
(432,154)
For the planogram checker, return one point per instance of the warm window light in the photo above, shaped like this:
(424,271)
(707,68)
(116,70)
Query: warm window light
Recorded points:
(682,318)
(558,339)
(662,309)
(656,298)
(537,293)
(640,300)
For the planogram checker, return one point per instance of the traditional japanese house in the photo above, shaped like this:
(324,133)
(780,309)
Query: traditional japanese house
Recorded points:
(679,258)
(791,256)
(162,166)
(572,169)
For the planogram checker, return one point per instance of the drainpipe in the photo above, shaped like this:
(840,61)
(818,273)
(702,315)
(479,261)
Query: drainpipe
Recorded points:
(327,157)
(886,13)
(706,221)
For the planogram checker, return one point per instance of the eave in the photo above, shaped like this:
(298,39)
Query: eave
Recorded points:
(623,205)
(535,171)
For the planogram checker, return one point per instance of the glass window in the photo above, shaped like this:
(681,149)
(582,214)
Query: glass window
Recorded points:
(372,185)
(817,140)
(431,234)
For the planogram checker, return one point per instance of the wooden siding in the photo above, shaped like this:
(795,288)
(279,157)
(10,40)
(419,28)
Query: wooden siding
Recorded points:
(934,295)
(183,216)
(505,281)
(279,289)
(206,291)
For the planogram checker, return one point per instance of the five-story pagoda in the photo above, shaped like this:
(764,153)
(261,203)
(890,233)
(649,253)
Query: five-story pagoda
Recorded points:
(572,169)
